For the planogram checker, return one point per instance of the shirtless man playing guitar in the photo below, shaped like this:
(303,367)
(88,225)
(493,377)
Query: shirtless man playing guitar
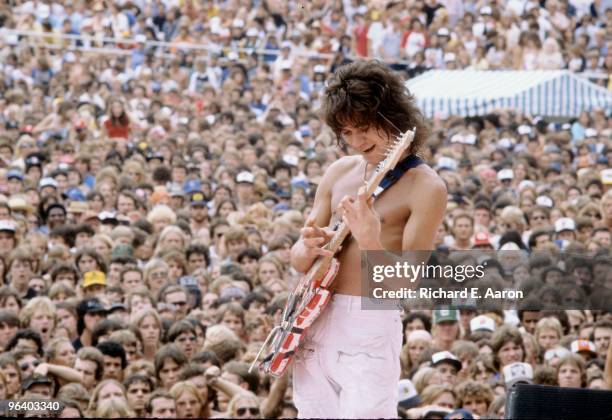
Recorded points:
(348,365)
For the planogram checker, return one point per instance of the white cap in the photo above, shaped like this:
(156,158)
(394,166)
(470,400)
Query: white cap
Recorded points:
(524,184)
(107,215)
(505,174)
(7,226)
(544,201)
(555,352)
(482,322)
(517,372)
(524,129)
(564,223)
(238,23)
(140,38)
(47,182)
(232,56)
(506,142)
(286,44)
(251,32)
(510,246)
(485,10)
(590,132)
(291,159)
(469,139)
(457,138)
(606,176)
(405,390)
(445,356)
(246,177)
(319,68)
(447,163)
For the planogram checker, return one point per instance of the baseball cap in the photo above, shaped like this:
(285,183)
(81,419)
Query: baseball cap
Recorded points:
(108,217)
(35,379)
(525,184)
(291,159)
(251,32)
(407,395)
(14,174)
(47,182)
(482,239)
(606,177)
(319,68)
(544,201)
(89,306)
(117,306)
(485,10)
(245,177)
(445,357)
(517,373)
(523,129)
(123,250)
(505,174)
(564,223)
(192,185)
(75,194)
(176,191)
(579,346)
(198,199)
(558,352)
(232,293)
(7,226)
(442,315)
(91,278)
(482,322)
(447,163)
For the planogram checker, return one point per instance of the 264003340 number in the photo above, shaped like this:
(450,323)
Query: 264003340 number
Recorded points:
(15,407)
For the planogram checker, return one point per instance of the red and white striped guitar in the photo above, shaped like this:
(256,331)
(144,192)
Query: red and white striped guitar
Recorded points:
(312,293)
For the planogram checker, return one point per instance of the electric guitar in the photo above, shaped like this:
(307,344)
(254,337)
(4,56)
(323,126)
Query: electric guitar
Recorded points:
(312,293)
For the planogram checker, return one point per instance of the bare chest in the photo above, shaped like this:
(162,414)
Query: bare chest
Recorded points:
(393,205)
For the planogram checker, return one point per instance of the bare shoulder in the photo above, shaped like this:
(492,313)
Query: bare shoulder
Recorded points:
(339,167)
(424,182)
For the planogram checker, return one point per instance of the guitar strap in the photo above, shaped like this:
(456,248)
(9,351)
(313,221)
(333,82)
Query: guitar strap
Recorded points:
(409,162)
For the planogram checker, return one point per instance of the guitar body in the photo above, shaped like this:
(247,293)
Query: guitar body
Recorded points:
(304,306)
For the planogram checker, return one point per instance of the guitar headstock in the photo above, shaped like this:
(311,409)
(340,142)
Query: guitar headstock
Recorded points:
(395,152)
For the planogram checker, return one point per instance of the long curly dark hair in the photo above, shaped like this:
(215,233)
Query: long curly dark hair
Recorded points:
(366,94)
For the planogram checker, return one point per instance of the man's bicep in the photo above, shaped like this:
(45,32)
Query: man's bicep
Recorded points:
(427,214)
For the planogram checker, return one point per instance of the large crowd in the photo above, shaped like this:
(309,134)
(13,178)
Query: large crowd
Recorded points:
(154,177)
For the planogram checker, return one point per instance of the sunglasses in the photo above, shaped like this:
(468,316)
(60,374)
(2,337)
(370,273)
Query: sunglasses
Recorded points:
(183,339)
(24,366)
(252,410)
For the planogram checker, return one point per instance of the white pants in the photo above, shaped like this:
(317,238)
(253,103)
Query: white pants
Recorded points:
(348,365)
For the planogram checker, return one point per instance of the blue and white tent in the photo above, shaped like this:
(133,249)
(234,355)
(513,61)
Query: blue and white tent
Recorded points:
(471,92)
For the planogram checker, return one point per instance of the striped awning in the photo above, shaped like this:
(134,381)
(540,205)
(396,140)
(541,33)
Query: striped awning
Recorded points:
(470,92)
